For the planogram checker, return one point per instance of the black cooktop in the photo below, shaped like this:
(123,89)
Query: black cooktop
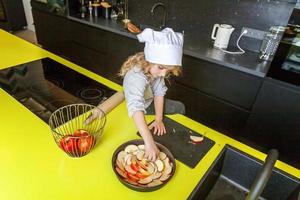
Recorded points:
(46,85)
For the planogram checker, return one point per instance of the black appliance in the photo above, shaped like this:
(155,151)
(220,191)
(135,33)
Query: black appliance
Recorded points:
(286,63)
(12,15)
(46,85)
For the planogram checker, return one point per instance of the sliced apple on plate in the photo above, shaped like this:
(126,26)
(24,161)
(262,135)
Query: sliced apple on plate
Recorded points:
(129,169)
(154,183)
(131,148)
(159,164)
(145,180)
(162,155)
(164,177)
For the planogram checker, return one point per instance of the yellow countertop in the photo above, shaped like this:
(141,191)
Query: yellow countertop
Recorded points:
(33,167)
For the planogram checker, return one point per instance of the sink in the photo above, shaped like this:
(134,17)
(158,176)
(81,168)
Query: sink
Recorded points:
(232,174)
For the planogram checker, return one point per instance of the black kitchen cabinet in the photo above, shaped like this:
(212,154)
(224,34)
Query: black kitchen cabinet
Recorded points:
(230,85)
(52,32)
(275,120)
(12,15)
(100,51)
(211,111)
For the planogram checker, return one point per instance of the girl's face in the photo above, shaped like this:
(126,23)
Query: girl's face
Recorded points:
(157,70)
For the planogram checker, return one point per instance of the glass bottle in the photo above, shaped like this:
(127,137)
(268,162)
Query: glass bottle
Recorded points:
(270,42)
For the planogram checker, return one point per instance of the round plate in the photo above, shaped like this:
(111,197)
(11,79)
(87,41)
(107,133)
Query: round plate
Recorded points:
(136,187)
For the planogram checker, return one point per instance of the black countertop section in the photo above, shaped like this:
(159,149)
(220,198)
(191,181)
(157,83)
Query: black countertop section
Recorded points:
(198,48)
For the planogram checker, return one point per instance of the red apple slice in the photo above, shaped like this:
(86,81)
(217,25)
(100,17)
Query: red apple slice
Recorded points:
(133,177)
(196,139)
(144,172)
(121,173)
(129,169)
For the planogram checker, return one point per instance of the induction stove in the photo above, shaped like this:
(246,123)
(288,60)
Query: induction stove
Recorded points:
(45,85)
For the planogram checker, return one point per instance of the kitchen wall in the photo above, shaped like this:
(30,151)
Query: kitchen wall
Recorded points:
(197,18)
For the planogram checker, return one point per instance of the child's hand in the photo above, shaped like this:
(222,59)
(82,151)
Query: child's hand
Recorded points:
(159,127)
(151,151)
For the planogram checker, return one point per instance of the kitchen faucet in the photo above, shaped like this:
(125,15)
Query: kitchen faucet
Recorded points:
(165,13)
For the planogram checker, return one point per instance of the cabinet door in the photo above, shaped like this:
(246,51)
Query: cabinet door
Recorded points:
(52,32)
(101,51)
(275,120)
(210,111)
(219,81)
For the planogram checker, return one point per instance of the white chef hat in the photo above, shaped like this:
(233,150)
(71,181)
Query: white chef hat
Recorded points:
(162,47)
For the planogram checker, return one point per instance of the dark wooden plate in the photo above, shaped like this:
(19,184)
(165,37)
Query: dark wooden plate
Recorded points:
(136,187)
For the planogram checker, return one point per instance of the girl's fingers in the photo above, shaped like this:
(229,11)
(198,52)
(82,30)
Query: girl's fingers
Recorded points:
(155,130)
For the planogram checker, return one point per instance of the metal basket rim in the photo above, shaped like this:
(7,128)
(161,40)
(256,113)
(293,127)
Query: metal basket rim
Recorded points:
(76,104)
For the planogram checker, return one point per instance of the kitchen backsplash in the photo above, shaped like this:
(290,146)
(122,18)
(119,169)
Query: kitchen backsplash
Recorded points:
(197,18)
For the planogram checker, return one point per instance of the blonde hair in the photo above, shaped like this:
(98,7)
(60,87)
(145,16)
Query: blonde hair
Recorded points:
(138,60)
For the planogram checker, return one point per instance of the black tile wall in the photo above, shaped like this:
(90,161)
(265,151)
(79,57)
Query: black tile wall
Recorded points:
(197,18)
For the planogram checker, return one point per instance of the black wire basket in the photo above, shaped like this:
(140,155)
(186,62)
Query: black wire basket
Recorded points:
(71,132)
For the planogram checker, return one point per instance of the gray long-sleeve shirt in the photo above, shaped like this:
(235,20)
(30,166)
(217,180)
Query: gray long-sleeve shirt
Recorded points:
(139,90)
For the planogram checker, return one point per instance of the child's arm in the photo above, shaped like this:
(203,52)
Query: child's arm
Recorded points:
(151,150)
(158,125)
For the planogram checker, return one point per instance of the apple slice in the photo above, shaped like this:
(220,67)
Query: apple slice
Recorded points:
(196,139)
(121,173)
(162,155)
(145,180)
(140,154)
(144,172)
(168,169)
(129,169)
(120,165)
(166,162)
(154,183)
(140,175)
(121,156)
(141,147)
(156,175)
(131,148)
(131,181)
(143,165)
(150,168)
(159,164)
(133,177)
(127,159)
(164,177)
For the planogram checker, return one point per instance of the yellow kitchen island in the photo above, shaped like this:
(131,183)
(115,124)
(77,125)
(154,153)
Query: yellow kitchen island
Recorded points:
(33,167)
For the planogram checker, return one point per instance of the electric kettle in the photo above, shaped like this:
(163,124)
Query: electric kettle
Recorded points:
(221,34)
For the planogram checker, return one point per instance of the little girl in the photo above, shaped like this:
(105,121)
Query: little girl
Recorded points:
(144,85)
